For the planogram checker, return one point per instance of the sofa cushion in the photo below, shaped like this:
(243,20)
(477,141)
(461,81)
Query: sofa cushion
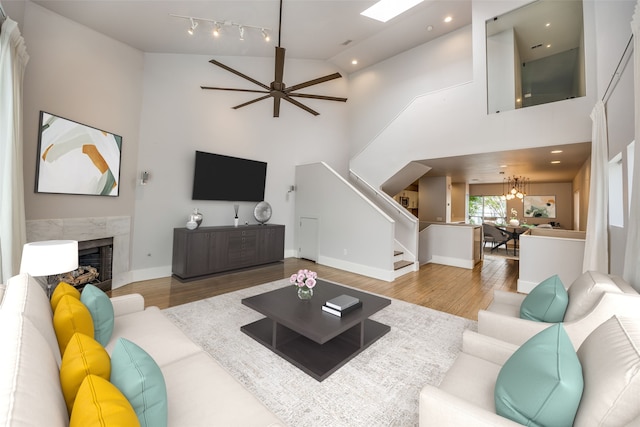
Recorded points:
(547,302)
(71,316)
(61,290)
(139,378)
(224,400)
(83,356)
(99,403)
(541,383)
(101,310)
(585,292)
(23,294)
(30,392)
(153,332)
(610,359)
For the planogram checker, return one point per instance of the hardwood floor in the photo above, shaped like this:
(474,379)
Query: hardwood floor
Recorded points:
(457,291)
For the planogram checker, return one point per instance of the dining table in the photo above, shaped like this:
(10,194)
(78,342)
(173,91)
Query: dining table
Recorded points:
(514,232)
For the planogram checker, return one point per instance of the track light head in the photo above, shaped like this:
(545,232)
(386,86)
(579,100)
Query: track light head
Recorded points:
(241,29)
(194,25)
(216,30)
(265,34)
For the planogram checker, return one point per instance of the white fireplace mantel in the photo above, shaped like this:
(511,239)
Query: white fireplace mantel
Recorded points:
(118,227)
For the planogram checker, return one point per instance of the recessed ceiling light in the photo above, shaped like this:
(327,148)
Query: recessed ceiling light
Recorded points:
(555,162)
(503,166)
(429,27)
(548,46)
(556,152)
(384,10)
(448,19)
(354,62)
(548,24)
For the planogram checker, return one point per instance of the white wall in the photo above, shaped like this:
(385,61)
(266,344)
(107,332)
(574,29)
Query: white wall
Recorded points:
(353,234)
(79,74)
(379,93)
(453,121)
(179,118)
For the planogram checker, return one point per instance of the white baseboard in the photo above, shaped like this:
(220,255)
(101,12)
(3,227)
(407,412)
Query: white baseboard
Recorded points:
(139,275)
(365,270)
(453,262)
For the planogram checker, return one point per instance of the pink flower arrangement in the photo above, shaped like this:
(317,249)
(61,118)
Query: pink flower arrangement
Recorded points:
(304,278)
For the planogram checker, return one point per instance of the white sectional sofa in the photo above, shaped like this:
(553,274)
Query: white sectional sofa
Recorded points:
(199,391)
(593,298)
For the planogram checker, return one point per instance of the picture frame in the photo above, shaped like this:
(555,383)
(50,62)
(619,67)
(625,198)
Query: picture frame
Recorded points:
(539,206)
(74,158)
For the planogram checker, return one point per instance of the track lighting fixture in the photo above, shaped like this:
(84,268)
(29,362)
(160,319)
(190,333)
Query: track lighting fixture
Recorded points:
(194,25)
(217,26)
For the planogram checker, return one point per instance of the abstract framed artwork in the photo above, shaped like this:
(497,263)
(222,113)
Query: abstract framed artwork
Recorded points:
(76,159)
(540,206)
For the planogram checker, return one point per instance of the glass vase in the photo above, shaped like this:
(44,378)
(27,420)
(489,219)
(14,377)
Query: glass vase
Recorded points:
(305,293)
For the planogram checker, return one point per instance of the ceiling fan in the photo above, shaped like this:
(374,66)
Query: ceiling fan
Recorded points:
(277,89)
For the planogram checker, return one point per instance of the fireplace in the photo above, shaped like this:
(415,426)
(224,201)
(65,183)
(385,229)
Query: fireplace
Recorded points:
(95,264)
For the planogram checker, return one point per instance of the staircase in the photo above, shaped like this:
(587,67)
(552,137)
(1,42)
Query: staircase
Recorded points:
(401,266)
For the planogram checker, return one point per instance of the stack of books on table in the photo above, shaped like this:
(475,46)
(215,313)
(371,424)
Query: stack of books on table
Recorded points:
(339,306)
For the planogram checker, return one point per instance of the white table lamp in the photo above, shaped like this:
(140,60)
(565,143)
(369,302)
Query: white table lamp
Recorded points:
(48,258)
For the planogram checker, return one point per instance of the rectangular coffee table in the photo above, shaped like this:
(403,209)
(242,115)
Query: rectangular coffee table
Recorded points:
(315,341)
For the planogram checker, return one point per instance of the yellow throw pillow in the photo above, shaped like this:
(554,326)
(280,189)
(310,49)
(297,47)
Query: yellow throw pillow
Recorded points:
(61,290)
(99,403)
(83,356)
(71,316)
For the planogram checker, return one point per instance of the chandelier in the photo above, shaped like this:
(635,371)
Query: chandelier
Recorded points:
(513,187)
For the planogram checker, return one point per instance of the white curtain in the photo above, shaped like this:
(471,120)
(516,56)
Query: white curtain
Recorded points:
(632,253)
(13,60)
(596,249)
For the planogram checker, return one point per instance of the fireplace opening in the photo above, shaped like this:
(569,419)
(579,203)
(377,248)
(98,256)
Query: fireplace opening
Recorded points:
(95,261)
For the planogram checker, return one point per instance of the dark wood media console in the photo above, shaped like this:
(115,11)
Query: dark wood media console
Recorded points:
(209,250)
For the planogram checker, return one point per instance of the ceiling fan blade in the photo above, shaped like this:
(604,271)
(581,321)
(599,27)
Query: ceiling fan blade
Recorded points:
(251,102)
(313,82)
(238,73)
(276,106)
(279,73)
(326,98)
(298,104)
(235,90)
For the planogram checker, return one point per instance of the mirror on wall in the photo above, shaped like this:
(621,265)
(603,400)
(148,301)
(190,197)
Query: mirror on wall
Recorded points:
(535,55)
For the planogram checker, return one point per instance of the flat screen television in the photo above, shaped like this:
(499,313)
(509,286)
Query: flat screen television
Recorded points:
(218,177)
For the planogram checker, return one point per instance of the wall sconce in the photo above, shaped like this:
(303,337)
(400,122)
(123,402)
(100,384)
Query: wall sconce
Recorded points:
(144,177)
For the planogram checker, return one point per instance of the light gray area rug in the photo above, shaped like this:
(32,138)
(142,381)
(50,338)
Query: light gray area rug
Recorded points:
(379,387)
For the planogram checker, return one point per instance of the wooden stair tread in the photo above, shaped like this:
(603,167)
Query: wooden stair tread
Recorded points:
(400,264)
(396,253)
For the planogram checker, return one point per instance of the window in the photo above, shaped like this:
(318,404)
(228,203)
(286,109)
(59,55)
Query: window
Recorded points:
(487,208)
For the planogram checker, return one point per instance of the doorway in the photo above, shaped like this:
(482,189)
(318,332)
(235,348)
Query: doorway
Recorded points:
(308,241)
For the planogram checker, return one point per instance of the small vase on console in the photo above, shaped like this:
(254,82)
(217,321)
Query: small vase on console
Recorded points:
(514,223)
(196,217)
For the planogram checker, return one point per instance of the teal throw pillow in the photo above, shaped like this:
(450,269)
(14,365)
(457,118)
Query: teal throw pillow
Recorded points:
(101,309)
(547,302)
(139,378)
(541,383)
